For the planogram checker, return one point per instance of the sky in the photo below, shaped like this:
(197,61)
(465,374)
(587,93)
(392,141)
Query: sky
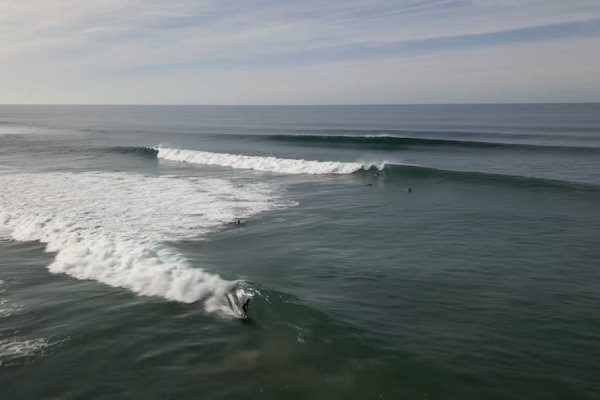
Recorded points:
(299,52)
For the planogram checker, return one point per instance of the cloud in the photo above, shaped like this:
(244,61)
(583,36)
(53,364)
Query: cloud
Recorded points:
(73,51)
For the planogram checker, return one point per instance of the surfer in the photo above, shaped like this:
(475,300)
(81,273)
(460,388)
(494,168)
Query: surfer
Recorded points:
(409,189)
(245,306)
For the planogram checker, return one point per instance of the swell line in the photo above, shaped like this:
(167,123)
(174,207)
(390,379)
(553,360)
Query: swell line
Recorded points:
(385,141)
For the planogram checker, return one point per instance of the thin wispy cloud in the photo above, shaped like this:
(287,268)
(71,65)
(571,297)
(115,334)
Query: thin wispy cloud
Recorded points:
(137,51)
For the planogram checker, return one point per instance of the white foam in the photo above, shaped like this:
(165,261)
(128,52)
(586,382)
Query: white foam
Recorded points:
(11,349)
(112,227)
(267,164)
(8,308)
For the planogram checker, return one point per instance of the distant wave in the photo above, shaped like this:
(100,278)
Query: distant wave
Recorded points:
(7,128)
(381,139)
(389,141)
(267,164)
(114,230)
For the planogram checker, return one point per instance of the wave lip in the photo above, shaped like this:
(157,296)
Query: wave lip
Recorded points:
(140,150)
(266,164)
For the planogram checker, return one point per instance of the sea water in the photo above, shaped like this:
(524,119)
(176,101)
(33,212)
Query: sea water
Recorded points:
(399,252)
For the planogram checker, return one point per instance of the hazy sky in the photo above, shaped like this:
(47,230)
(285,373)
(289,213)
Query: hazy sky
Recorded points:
(299,52)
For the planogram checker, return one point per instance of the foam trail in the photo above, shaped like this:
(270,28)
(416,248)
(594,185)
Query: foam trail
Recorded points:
(7,307)
(11,349)
(111,227)
(267,164)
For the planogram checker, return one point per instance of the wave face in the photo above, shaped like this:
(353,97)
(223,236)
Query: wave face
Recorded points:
(267,164)
(138,150)
(404,172)
(112,227)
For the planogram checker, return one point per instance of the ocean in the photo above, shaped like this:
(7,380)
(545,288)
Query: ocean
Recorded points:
(389,252)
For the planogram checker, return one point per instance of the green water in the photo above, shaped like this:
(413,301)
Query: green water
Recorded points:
(470,286)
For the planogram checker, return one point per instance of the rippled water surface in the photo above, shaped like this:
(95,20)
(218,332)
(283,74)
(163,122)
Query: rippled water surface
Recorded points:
(399,252)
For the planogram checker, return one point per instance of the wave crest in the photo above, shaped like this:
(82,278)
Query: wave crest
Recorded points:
(267,164)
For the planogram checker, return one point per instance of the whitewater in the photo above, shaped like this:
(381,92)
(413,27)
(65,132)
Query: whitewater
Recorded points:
(265,164)
(115,227)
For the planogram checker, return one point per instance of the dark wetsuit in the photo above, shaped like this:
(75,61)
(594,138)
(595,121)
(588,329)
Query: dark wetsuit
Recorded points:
(245,306)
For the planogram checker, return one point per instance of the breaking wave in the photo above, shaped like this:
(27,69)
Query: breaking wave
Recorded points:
(388,169)
(114,227)
(267,164)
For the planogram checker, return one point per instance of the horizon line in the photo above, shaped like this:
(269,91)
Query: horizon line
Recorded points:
(301,104)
